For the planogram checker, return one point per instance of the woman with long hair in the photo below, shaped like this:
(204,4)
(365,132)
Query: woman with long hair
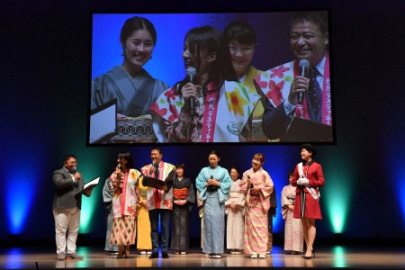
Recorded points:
(209,105)
(124,204)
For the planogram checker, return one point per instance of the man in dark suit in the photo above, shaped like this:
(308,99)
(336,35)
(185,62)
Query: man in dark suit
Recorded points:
(66,207)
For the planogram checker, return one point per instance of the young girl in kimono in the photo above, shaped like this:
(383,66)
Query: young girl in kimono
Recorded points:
(234,210)
(293,237)
(124,204)
(213,183)
(257,185)
(209,105)
(308,178)
(241,39)
(183,201)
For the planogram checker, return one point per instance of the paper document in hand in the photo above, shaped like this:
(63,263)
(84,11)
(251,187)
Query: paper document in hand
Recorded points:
(103,122)
(92,183)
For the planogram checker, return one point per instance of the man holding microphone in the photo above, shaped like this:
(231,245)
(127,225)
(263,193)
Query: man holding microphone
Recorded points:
(66,207)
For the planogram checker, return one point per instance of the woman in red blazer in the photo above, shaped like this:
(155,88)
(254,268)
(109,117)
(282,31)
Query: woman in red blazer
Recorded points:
(308,178)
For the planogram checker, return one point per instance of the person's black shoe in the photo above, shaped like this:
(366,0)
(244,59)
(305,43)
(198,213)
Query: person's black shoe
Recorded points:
(154,255)
(165,255)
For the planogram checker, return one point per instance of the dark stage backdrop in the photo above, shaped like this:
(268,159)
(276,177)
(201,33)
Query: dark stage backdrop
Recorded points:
(45,67)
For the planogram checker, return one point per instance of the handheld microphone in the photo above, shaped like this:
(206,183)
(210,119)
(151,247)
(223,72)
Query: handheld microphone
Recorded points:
(211,177)
(191,71)
(304,67)
(251,185)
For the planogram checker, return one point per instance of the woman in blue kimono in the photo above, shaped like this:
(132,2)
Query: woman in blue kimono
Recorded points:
(213,184)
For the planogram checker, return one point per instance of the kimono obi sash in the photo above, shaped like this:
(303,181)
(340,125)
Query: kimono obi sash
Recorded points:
(180,193)
(234,194)
(143,193)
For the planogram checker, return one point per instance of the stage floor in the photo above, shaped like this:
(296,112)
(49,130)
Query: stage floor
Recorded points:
(95,258)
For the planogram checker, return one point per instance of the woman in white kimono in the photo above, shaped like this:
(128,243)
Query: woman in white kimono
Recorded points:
(234,210)
(293,236)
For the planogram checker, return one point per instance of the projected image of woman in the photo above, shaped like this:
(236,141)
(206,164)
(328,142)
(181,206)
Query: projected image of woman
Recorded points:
(132,86)
(212,106)
(308,178)
(241,39)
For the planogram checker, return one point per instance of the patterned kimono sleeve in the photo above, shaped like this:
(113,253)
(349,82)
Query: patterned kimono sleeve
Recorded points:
(190,194)
(267,186)
(170,122)
(241,200)
(107,192)
(284,202)
(200,181)
(244,184)
(225,184)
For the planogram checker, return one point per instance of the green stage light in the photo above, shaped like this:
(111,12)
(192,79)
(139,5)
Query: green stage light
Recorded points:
(338,191)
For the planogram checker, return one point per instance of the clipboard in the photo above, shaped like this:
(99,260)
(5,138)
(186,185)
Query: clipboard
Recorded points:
(157,183)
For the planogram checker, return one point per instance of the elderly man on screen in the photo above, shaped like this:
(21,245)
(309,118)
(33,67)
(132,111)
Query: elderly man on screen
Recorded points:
(66,207)
(282,85)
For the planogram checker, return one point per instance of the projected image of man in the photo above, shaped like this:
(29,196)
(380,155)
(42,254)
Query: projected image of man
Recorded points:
(283,85)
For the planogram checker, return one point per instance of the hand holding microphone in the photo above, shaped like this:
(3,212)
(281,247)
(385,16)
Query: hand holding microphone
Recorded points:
(300,84)
(189,91)
(76,174)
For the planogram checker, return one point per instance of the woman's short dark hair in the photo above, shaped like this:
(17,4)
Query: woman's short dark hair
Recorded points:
(317,17)
(214,152)
(182,166)
(127,156)
(209,39)
(235,168)
(290,173)
(137,23)
(240,31)
(309,148)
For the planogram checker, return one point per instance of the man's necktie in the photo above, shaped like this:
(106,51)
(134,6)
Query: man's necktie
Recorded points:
(315,94)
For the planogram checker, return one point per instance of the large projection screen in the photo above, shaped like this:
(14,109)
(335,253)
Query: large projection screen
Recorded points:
(147,78)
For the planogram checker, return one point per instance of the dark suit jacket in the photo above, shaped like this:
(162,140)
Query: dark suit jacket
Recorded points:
(67,193)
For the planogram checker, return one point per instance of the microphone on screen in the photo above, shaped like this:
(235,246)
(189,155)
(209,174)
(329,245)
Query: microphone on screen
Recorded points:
(304,67)
(190,72)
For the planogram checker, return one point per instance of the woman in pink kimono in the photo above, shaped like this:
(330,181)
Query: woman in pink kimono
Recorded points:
(124,204)
(234,210)
(257,185)
(293,236)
